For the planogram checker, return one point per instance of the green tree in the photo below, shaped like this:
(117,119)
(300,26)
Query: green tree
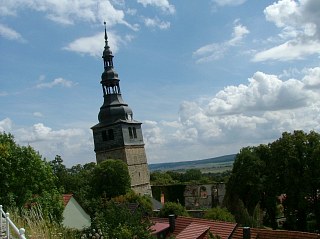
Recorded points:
(219,214)
(288,166)
(161,178)
(111,178)
(173,208)
(116,220)
(27,179)
(192,175)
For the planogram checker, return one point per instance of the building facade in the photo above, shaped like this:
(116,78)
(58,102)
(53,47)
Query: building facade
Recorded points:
(118,135)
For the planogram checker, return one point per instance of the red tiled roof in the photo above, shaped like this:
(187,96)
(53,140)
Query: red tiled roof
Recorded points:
(223,229)
(66,199)
(193,231)
(257,233)
(238,233)
(281,234)
(159,227)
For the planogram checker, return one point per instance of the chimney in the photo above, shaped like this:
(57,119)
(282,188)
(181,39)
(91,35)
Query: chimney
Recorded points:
(172,222)
(246,233)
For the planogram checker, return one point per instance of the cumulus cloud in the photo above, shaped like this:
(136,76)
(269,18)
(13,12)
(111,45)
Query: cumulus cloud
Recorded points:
(164,5)
(300,30)
(67,12)
(56,82)
(152,134)
(10,34)
(240,115)
(72,144)
(92,45)
(5,125)
(215,51)
(156,22)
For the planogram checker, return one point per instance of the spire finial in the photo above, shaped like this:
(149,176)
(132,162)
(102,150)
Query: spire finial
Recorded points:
(105,32)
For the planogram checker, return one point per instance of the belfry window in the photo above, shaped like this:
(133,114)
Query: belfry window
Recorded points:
(107,135)
(110,134)
(134,132)
(130,133)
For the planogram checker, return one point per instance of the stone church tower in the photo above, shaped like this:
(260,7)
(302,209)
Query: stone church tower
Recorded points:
(118,135)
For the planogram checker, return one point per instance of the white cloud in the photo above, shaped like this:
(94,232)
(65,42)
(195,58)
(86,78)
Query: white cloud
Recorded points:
(215,51)
(5,125)
(37,114)
(153,136)
(56,82)
(10,34)
(237,116)
(239,32)
(156,22)
(229,2)
(68,12)
(92,45)
(290,50)
(300,30)
(164,5)
(74,145)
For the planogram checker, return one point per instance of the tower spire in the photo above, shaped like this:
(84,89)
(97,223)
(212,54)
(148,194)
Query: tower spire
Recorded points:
(107,53)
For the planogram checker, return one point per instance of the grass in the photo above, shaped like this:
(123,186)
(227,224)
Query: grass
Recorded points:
(39,227)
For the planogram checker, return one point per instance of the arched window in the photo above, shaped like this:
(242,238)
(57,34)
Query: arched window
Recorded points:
(134,132)
(203,192)
(130,133)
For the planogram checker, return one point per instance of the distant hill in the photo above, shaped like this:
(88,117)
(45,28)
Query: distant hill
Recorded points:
(223,162)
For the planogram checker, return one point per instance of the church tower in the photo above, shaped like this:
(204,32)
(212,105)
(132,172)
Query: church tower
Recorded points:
(118,135)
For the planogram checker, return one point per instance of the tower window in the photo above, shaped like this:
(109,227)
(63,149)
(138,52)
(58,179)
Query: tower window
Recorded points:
(130,133)
(134,132)
(104,135)
(110,134)
(107,135)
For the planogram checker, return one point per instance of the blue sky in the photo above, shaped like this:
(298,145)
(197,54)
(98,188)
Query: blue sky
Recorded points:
(205,78)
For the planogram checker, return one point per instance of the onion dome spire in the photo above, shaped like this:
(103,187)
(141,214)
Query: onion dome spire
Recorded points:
(113,108)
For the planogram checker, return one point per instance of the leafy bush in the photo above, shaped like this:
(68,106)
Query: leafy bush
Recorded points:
(173,208)
(219,214)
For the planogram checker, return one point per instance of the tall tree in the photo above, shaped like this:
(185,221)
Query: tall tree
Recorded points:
(26,178)
(111,178)
(289,166)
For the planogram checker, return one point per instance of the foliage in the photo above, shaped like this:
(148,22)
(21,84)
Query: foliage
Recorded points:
(76,180)
(192,175)
(289,166)
(116,220)
(111,178)
(173,208)
(37,225)
(211,236)
(219,214)
(26,179)
(162,178)
(131,197)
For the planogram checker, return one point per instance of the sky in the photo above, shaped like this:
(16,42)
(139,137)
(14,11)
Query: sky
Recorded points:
(206,78)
